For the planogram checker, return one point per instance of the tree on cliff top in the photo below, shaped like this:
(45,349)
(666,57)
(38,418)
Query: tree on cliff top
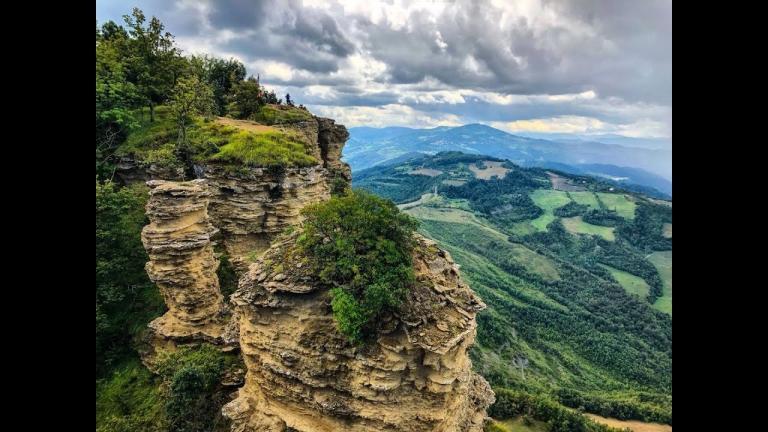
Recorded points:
(360,245)
(190,97)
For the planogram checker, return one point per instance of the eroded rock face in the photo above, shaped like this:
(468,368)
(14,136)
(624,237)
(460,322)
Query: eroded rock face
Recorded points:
(303,374)
(331,140)
(182,264)
(251,205)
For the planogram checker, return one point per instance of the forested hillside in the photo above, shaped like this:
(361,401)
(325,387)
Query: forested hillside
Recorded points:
(576,274)
(162,112)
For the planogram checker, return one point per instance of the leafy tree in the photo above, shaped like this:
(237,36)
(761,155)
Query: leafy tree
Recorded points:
(271,98)
(194,399)
(247,98)
(154,60)
(221,75)
(360,245)
(190,97)
(115,95)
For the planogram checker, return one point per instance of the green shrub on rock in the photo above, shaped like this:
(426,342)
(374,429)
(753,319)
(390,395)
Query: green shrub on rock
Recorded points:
(360,246)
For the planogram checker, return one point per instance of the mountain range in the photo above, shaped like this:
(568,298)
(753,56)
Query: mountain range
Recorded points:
(647,167)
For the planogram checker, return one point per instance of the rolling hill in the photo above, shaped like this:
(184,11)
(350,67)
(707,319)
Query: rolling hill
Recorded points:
(631,165)
(576,273)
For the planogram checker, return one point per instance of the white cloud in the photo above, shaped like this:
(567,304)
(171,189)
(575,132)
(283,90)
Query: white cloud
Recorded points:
(585,126)
(387,115)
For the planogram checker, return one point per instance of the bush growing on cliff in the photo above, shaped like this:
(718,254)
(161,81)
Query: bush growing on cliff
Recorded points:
(360,245)
(194,395)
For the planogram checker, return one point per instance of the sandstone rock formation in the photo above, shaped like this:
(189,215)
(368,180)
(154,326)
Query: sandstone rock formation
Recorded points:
(331,139)
(303,374)
(182,264)
(251,205)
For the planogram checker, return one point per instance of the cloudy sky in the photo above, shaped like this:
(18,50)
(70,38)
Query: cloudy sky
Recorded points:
(525,66)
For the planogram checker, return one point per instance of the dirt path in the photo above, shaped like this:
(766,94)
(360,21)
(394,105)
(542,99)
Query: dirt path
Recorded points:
(418,202)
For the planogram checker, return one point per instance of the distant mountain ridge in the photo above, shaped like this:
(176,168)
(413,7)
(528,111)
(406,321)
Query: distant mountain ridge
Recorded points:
(368,147)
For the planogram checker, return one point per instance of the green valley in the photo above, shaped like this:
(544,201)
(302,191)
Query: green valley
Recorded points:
(578,311)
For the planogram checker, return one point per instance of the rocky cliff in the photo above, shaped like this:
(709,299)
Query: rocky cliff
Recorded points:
(303,374)
(250,205)
(182,265)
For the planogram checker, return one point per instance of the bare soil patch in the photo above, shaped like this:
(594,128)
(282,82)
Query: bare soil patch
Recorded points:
(666,231)
(563,184)
(426,171)
(633,425)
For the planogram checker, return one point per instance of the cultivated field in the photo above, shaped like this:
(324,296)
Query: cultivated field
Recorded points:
(619,202)
(575,225)
(548,200)
(491,169)
(663,263)
(633,425)
(453,182)
(631,283)
(586,198)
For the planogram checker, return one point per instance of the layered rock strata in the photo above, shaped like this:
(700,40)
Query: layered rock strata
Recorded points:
(303,374)
(251,205)
(182,264)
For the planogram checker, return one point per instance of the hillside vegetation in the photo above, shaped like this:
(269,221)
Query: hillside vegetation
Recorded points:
(158,108)
(573,304)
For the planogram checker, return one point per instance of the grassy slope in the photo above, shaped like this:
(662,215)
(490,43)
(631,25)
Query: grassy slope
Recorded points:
(548,200)
(546,324)
(213,140)
(631,283)
(576,225)
(481,235)
(503,291)
(663,262)
(623,206)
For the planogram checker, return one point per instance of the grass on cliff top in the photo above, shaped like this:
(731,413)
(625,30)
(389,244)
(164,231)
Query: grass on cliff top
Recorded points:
(210,140)
(280,114)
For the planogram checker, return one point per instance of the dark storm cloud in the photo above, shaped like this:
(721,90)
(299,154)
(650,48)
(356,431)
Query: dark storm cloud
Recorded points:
(306,39)
(617,48)
(238,14)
